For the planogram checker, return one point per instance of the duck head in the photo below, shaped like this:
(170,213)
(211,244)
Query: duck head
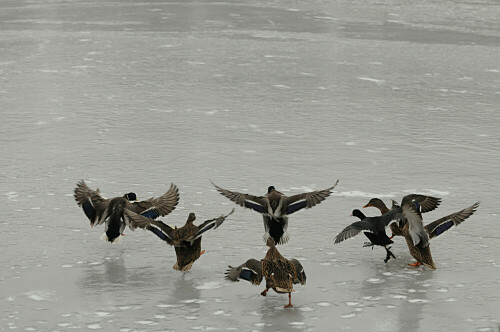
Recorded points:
(191,217)
(131,197)
(270,189)
(358,213)
(270,242)
(377,203)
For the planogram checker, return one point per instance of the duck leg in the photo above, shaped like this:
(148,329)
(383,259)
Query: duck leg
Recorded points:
(264,292)
(202,252)
(416,264)
(389,254)
(289,305)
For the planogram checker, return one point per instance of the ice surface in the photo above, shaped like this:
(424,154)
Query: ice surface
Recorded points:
(390,97)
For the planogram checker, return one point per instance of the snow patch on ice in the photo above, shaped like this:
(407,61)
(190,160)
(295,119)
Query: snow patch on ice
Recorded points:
(94,326)
(210,285)
(306,309)
(357,193)
(418,301)
(352,314)
(372,80)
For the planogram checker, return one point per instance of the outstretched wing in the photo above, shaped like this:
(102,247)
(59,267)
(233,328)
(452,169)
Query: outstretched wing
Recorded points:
(209,224)
(249,201)
(441,225)
(354,229)
(250,271)
(156,207)
(93,204)
(411,211)
(307,200)
(300,274)
(160,229)
(427,203)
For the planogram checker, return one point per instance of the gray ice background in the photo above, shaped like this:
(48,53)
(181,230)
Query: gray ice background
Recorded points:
(391,97)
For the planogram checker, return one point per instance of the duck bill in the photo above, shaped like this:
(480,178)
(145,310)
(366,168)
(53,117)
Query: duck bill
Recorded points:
(367,205)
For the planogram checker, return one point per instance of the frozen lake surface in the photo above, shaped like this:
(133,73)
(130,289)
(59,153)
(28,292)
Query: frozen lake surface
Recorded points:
(390,97)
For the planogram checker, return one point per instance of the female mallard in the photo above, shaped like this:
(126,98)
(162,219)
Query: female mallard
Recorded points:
(275,207)
(420,253)
(186,240)
(280,273)
(110,211)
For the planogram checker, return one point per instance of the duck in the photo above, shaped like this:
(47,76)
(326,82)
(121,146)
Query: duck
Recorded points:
(110,211)
(275,207)
(410,208)
(422,254)
(186,239)
(280,273)
(375,227)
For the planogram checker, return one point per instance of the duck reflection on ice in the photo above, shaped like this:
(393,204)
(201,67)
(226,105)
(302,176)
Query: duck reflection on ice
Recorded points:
(275,318)
(404,290)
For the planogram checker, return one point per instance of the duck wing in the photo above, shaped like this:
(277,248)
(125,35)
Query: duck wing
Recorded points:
(156,207)
(354,229)
(157,227)
(256,203)
(251,271)
(93,204)
(306,200)
(300,274)
(411,211)
(209,224)
(441,225)
(427,203)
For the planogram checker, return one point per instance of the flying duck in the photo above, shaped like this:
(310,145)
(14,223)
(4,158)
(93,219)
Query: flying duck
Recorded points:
(110,211)
(186,239)
(275,207)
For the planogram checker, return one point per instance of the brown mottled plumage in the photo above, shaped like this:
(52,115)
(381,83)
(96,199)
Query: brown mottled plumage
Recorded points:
(110,211)
(186,239)
(422,253)
(280,273)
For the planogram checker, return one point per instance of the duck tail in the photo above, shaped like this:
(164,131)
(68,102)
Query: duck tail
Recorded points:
(116,240)
(184,268)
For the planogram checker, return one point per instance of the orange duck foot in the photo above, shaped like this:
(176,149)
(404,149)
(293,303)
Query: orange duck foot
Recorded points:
(264,292)
(416,264)
(202,252)
(289,305)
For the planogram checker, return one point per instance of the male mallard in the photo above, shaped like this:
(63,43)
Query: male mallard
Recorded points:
(186,240)
(110,211)
(275,207)
(420,253)
(280,273)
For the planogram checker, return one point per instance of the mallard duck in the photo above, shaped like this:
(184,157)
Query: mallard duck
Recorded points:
(275,207)
(280,273)
(186,239)
(433,229)
(110,211)
(410,208)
